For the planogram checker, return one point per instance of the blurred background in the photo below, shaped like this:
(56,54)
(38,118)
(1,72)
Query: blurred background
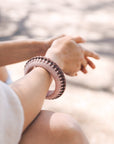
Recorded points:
(88,98)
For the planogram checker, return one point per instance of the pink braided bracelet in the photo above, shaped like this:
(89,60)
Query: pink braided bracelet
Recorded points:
(53,69)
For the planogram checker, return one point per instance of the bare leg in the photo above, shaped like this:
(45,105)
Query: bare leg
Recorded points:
(53,128)
(3,74)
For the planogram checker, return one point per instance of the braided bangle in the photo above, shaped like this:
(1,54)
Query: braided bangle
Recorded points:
(53,69)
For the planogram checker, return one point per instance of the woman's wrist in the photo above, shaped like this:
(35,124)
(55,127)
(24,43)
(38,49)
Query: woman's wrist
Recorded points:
(43,71)
(55,58)
(53,69)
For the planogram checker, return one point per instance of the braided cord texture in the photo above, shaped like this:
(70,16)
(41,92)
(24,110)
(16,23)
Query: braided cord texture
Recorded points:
(53,69)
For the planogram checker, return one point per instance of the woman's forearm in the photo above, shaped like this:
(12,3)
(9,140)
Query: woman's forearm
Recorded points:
(17,51)
(32,90)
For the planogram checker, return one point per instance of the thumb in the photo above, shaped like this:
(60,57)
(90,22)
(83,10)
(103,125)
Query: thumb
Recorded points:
(91,54)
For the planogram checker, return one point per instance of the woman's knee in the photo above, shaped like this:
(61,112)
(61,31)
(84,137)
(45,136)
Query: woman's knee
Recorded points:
(54,128)
(66,130)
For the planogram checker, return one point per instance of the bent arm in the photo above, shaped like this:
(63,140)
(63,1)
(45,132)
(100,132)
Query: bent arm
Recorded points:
(32,90)
(17,51)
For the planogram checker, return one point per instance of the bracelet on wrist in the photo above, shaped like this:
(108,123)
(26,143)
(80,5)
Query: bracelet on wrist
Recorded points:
(53,69)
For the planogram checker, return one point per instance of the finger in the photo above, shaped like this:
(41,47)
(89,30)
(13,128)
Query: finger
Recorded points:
(84,62)
(70,73)
(78,40)
(90,63)
(83,69)
(74,74)
(91,54)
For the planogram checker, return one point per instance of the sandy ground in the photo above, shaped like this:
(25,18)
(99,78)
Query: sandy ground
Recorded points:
(88,98)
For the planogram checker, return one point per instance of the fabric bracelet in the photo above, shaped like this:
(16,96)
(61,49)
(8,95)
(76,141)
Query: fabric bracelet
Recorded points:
(53,69)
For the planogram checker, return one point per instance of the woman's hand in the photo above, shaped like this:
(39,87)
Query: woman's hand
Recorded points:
(49,42)
(70,56)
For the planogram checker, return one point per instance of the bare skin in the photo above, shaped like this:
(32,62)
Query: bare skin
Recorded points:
(17,51)
(33,87)
(23,50)
(70,56)
(3,74)
(53,128)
